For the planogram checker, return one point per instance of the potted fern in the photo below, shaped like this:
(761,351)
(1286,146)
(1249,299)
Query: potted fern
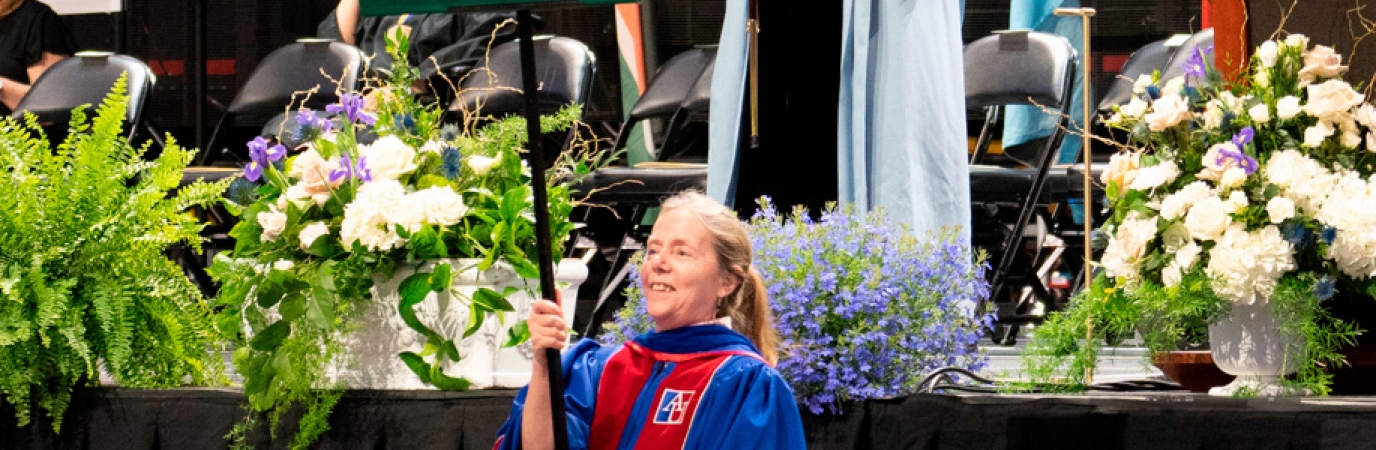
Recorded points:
(86,287)
(398,263)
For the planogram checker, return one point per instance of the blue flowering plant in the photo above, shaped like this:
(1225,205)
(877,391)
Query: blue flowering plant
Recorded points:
(1254,191)
(373,184)
(863,309)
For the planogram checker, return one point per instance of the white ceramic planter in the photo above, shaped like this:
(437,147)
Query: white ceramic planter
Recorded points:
(1250,345)
(372,349)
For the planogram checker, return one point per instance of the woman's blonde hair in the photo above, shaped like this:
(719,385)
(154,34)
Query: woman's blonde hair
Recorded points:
(748,305)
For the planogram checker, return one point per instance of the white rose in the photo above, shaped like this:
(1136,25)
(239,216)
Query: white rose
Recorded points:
(1260,113)
(1135,108)
(1288,107)
(1237,201)
(1365,115)
(481,164)
(1208,219)
(1151,177)
(1140,85)
(1263,79)
(283,265)
(1280,209)
(1267,53)
(1122,169)
(388,158)
(311,232)
(1371,142)
(1297,40)
(1331,100)
(273,223)
(1167,111)
(1321,62)
(1233,177)
(1315,135)
(439,205)
(1128,244)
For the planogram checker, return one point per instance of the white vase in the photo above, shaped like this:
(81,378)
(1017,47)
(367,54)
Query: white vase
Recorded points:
(372,361)
(1249,344)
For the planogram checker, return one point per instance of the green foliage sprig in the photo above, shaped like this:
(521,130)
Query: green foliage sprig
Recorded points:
(84,282)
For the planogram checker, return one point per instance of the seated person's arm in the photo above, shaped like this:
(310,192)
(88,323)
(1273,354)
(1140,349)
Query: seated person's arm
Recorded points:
(14,90)
(347,16)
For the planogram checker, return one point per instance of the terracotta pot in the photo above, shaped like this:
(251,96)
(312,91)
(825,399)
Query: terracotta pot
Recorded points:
(1194,370)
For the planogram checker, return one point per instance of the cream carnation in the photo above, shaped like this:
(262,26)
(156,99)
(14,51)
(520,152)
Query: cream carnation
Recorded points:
(1176,204)
(1279,209)
(439,205)
(1244,266)
(366,218)
(1232,178)
(1315,135)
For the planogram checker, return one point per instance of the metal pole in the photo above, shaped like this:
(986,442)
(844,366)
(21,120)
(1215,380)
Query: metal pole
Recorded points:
(545,254)
(198,69)
(1085,14)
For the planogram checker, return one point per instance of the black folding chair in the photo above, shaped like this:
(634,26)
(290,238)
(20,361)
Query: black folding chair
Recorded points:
(286,73)
(86,79)
(1015,68)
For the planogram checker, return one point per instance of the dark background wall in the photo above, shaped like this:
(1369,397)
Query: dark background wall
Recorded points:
(799,63)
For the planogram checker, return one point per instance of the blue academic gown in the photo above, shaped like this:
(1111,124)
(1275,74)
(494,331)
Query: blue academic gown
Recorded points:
(698,387)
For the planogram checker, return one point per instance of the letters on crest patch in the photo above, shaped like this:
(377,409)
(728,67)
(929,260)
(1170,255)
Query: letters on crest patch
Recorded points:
(672,406)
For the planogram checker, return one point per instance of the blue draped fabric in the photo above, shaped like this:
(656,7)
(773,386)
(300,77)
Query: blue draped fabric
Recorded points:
(1024,123)
(902,140)
(728,94)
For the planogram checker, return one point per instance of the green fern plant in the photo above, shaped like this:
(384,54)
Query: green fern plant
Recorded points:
(84,283)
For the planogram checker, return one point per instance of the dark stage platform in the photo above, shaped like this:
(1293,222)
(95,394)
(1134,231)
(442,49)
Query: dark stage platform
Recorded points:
(200,418)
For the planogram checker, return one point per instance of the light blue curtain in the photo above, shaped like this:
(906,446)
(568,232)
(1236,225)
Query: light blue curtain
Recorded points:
(902,140)
(1024,123)
(728,94)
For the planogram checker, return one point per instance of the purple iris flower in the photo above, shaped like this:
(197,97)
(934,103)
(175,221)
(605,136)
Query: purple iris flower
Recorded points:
(347,169)
(1196,65)
(1247,163)
(352,107)
(253,171)
(261,153)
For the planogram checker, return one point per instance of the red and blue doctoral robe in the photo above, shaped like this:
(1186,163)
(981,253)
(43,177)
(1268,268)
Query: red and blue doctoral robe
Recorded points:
(699,387)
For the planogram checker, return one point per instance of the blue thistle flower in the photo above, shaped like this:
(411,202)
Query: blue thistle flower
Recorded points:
(1325,288)
(449,132)
(242,192)
(1329,235)
(451,163)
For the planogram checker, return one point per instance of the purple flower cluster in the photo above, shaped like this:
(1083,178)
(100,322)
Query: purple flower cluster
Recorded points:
(1247,163)
(348,170)
(863,310)
(1197,64)
(260,154)
(351,105)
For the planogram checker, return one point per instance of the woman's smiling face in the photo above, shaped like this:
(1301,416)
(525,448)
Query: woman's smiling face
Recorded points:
(681,275)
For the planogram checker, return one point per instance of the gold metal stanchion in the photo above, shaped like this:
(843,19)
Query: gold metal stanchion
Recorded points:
(1086,68)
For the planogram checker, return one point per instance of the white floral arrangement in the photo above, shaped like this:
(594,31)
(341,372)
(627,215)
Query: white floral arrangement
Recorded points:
(1246,191)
